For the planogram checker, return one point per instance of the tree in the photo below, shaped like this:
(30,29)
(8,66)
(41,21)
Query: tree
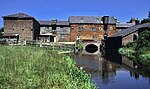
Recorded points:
(143,44)
(1,30)
(145,20)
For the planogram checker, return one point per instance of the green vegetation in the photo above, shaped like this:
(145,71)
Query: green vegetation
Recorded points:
(145,20)
(138,50)
(39,68)
(1,30)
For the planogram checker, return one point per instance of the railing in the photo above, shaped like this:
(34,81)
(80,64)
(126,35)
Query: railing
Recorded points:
(67,46)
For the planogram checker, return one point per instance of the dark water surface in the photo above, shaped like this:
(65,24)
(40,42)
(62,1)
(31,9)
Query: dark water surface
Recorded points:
(113,71)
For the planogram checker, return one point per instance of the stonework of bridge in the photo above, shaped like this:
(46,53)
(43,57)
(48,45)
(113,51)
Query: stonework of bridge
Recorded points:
(91,48)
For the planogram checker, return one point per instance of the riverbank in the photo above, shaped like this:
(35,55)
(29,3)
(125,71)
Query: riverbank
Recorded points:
(143,57)
(139,50)
(33,67)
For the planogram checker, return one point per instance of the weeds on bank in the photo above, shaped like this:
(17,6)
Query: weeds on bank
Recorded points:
(39,68)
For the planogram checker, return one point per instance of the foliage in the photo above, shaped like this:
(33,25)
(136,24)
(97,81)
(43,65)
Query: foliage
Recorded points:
(145,20)
(127,52)
(39,68)
(140,49)
(79,44)
(1,30)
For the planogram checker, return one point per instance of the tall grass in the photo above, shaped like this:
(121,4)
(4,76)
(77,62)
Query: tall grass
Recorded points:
(39,68)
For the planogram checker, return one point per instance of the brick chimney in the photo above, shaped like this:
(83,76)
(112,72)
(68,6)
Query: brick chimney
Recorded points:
(135,21)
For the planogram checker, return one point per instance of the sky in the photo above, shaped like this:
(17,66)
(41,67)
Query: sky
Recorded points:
(123,10)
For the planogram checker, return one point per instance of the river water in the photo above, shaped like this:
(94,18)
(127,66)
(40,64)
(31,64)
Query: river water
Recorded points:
(113,71)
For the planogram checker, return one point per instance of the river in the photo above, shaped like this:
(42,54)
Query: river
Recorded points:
(113,71)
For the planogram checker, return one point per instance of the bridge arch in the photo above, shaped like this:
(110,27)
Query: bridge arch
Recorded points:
(91,48)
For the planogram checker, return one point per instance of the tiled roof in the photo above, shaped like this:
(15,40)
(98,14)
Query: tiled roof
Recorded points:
(89,19)
(62,23)
(48,22)
(124,25)
(18,15)
(130,30)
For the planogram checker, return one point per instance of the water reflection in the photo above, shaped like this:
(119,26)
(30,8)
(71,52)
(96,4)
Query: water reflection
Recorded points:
(113,71)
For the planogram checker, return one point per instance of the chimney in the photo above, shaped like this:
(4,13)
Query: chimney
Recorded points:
(135,21)
(54,21)
(105,22)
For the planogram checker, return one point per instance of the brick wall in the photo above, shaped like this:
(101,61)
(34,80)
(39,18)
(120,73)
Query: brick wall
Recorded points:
(89,33)
(129,38)
(23,27)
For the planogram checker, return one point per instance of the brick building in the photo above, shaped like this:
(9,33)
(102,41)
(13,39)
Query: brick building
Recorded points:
(91,27)
(54,31)
(125,36)
(21,26)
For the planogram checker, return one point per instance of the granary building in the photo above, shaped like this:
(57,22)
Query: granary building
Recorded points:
(21,26)
(91,27)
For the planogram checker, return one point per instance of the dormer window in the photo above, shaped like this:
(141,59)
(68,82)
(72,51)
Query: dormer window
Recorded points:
(97,19)
(81,20)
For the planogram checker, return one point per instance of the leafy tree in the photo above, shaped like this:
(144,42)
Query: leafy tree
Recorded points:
(1,30)
(145,21)
(143,40)
(142,47)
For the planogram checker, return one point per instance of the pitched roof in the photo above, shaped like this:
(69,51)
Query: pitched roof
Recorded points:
(130,30)
(89,19)
(44,22)
(124,25)
(18,15)
(48,22)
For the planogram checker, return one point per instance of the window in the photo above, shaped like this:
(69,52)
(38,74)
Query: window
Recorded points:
(100,28)
(80,29)
(93,28)
(111,28)
(13,29)
(22,29)
(81,20)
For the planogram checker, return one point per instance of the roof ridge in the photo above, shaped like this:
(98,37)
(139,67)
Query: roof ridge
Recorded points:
(18,15)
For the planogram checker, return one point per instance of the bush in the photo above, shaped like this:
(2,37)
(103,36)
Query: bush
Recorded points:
(127,52)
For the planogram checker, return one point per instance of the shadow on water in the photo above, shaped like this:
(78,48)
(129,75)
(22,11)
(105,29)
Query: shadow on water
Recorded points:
(113,71)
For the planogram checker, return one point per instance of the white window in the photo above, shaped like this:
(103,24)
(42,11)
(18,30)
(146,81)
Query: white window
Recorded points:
(100,28)
(111,28)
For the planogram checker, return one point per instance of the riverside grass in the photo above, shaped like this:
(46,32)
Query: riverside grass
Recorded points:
(39,68)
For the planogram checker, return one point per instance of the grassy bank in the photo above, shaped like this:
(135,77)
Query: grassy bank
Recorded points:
(39,68)
(139,50)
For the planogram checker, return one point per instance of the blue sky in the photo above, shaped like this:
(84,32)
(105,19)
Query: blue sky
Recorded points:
(123,10)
